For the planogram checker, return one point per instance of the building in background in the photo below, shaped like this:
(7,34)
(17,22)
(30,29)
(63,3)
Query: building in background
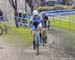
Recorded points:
(56,2)
(73,2)
(49,2)
(36,3)
(68,2)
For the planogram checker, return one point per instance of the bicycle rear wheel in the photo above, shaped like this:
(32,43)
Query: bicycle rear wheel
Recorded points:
(44,38)
(1,30)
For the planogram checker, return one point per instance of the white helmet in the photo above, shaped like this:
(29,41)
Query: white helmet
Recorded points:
(35,12)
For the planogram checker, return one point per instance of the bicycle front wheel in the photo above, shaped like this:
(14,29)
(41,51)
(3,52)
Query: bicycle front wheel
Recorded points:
(37,40)
(1,30)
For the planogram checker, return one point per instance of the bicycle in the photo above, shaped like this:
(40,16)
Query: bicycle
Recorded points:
(37,41)
(1,30)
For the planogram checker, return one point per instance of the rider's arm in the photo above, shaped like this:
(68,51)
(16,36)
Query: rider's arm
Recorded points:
(30,24)
(46,18)
(42,21)
(31,21)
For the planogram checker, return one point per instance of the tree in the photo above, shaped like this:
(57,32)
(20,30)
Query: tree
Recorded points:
(14,5)
(30,3)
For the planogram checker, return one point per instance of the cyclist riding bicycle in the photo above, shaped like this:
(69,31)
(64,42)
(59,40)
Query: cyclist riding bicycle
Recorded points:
(36,23)
(46,22)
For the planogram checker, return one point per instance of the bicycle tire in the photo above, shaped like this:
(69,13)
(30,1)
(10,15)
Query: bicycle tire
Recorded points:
(1,30)
(43,41)
(37,39)
(37,50)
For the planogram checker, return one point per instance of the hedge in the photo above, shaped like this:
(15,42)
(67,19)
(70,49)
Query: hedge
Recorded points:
(57,7)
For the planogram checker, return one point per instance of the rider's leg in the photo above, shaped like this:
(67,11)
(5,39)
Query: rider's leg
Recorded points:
(48,25)
(40,29)
(33,38)
(45,33)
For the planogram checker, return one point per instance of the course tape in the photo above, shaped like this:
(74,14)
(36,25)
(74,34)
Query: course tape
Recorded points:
(58,12)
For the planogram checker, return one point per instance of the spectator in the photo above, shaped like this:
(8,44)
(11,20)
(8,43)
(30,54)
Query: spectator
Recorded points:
(1,16)
(19,17)
(24,16)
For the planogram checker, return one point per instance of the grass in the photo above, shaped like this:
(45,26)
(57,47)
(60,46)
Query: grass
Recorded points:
(22,33)
(18,34)
(63,24)
(72,16)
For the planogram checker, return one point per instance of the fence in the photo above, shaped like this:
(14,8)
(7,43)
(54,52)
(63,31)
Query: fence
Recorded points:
(55,15)
(61,15)
(23,21)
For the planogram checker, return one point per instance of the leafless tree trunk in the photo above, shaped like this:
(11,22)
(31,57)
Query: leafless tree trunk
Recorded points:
(30,3)
(14,5)
(25,6)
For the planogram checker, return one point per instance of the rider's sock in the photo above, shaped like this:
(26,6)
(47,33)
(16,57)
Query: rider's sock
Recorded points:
(40,37)
(34,45)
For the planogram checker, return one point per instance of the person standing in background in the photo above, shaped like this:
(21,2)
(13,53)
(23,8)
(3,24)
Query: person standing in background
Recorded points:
(24,18)
(1,16)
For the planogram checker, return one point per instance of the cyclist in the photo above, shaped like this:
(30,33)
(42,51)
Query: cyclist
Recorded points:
(19,17)
(36,23)
(1,16)
(46,22)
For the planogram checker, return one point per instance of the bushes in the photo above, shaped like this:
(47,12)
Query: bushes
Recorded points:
(60,7)
(57,7)
(45,8)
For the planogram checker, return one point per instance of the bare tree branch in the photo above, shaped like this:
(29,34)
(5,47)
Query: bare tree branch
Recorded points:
(30,3)
(15,4)
(12,3)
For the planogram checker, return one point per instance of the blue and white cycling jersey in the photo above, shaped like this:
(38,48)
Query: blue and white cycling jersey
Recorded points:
(36,21)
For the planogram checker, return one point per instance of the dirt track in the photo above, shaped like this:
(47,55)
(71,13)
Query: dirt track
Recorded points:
(51,51)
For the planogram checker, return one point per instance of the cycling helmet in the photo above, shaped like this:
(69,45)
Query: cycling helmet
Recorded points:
(35,12)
